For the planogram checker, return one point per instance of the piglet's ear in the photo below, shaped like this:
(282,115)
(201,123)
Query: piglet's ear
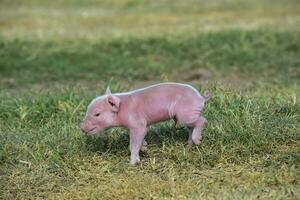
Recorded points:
(113,102)
(107,90)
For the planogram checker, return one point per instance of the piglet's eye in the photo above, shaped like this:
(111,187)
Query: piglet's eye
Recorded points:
(97,114)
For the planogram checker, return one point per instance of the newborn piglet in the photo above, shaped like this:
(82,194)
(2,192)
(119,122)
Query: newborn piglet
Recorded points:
(138,109)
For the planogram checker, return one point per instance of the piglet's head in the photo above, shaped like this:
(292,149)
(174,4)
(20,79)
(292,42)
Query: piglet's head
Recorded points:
(101,113)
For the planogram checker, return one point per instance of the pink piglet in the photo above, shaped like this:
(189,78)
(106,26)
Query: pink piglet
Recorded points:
(138,109)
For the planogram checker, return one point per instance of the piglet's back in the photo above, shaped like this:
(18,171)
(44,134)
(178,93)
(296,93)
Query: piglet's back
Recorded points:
(166,90)
(157,101)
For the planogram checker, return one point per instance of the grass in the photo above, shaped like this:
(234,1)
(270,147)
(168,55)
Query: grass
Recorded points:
(48,75)
(125,18)
(246,53)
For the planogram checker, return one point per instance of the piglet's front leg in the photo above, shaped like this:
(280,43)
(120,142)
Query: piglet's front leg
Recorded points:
(137,136)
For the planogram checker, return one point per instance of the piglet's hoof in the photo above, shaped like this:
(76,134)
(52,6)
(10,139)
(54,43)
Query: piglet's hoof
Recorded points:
(144,147)
(189,146)
(133,163)
(197,142)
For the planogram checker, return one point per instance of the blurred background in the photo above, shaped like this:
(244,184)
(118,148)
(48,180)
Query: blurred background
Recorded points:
(137,42)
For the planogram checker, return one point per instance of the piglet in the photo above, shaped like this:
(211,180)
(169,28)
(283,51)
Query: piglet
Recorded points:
(138,109)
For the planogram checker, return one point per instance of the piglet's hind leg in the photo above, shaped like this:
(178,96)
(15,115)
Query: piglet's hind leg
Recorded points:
(144,146)
(198,127)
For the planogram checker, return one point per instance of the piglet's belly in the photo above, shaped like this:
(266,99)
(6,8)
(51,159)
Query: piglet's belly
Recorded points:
(158,116)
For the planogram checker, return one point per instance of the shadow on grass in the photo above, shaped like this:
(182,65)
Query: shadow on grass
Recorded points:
(117,140)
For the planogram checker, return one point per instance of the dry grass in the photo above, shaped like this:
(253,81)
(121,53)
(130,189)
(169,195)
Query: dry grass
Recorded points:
(142,18)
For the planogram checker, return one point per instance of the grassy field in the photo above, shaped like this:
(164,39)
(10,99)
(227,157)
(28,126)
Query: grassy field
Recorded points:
(55,56)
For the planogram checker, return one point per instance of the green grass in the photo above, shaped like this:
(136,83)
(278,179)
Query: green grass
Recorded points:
(56,56)
(251,147)
(254,54)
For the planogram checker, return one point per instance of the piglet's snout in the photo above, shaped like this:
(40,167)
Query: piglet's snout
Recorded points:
(82,127)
